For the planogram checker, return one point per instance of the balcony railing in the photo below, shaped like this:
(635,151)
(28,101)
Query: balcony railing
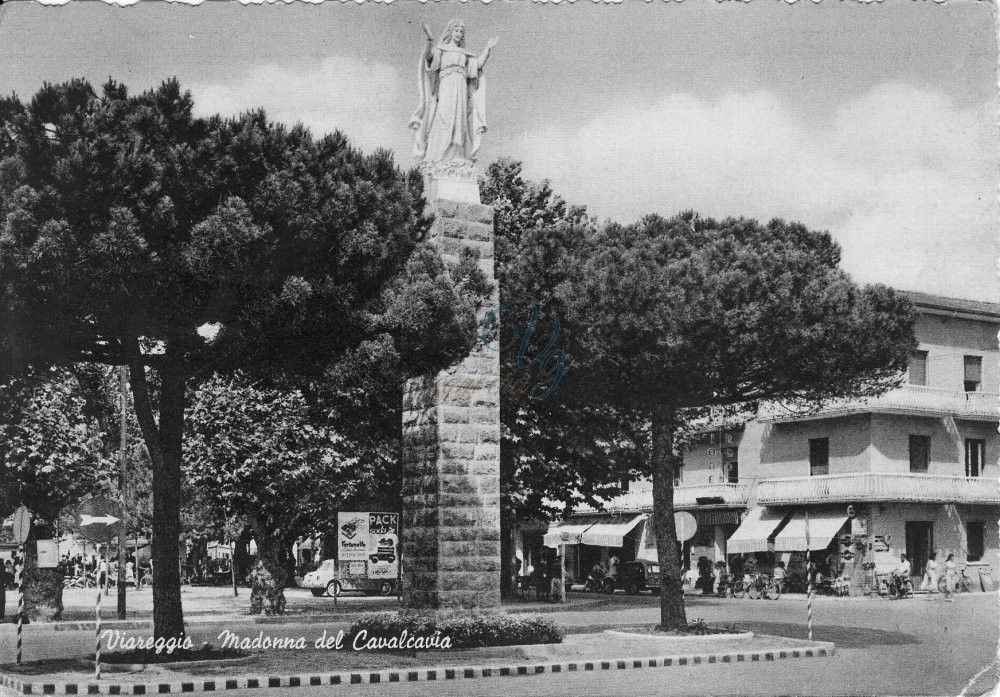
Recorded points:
(716,495)
(912,400)
(878,486)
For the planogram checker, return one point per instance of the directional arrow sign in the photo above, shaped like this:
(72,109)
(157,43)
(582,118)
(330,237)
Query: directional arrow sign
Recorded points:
(99,519)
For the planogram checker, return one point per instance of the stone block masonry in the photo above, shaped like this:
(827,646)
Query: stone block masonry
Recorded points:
(451,454)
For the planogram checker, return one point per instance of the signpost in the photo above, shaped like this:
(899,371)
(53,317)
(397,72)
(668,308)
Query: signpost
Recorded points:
(685,526)
(99,519)
(22,527)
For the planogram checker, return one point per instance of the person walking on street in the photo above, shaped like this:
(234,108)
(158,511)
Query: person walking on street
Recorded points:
(102,571)
(949,577)
(930,574)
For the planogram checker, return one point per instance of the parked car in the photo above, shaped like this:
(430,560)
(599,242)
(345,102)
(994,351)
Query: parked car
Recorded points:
(640,575)
(327,580)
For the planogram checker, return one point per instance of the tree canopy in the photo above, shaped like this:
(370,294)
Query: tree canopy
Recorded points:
(558,452)
(133,233)
(668,316)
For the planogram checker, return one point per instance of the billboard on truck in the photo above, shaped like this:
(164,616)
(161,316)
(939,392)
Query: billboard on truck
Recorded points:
(368,544)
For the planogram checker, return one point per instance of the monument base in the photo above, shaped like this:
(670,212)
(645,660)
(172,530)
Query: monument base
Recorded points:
(451,435)
(451,181)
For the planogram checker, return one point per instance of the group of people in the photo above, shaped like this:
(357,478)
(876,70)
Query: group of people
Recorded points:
(98,568)
(933,571)
(9,571)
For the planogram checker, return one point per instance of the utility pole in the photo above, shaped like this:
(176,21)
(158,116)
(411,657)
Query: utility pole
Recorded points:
(123,389)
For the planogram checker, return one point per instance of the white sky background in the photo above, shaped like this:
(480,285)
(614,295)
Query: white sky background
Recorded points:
(876,122)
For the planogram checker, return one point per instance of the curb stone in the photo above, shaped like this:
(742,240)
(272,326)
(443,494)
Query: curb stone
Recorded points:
(10,685)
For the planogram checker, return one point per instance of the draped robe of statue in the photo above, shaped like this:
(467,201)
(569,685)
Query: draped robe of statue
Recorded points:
(451,118)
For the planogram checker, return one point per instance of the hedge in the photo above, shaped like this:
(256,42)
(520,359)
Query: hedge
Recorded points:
(492,629)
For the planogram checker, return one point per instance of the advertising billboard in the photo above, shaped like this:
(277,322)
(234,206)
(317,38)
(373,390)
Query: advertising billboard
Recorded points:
(369,543)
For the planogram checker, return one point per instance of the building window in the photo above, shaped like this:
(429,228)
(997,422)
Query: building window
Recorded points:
(918,368)
(973,373)
(731,464)
(920,453)
(975,533)
(975,457)
(819,456)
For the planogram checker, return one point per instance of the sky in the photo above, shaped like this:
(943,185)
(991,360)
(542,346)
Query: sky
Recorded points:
(877,122)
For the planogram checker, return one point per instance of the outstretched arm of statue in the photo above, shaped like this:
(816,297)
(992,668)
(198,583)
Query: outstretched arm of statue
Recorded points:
(486,51)
(429,50)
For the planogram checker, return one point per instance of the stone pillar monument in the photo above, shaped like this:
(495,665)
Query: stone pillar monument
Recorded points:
(451,421)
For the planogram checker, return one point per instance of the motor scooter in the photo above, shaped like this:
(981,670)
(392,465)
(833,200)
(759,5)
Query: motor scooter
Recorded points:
(900,587)
(595,580)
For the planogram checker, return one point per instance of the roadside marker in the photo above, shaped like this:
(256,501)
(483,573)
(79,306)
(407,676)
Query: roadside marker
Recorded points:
(809,588)
(20,599)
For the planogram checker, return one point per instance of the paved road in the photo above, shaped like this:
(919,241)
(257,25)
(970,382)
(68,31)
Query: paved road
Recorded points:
(921,646)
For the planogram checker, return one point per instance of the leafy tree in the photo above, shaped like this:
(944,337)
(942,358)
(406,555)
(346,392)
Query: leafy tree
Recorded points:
(258,454)
(556,452)
(53,453)
(669,315)
(133,233)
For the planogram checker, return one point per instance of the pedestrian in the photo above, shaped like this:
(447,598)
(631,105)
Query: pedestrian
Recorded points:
(929,583)
(779,576)
(949,577)
(613,567)
(8,568)
(102,572)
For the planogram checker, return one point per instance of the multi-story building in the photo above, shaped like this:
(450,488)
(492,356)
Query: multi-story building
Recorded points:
(914,471)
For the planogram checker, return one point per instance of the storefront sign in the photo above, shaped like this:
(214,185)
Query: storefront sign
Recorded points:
(881,543)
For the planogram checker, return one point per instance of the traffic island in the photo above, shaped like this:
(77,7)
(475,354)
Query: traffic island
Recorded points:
(299,668)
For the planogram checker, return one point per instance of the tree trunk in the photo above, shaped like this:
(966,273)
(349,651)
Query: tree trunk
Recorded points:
(289,563)
(267,578)
(241,557)
(164,444)
(672,615)
(43,588)
(507,547)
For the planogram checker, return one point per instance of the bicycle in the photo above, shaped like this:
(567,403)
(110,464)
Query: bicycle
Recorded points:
(963,584)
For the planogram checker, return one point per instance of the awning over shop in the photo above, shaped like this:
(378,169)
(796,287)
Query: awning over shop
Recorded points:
(823,527)
(610,534)
(754,531)
(569,532)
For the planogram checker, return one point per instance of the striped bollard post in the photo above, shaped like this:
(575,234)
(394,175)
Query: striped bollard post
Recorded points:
(20,600)
(809,587)
(97,644)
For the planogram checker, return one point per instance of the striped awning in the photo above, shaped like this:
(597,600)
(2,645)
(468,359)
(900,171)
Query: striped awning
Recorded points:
(610,534)
(568,532)
(755,531)
(823,527)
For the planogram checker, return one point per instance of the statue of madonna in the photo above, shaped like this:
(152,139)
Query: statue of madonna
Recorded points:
(451,118)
